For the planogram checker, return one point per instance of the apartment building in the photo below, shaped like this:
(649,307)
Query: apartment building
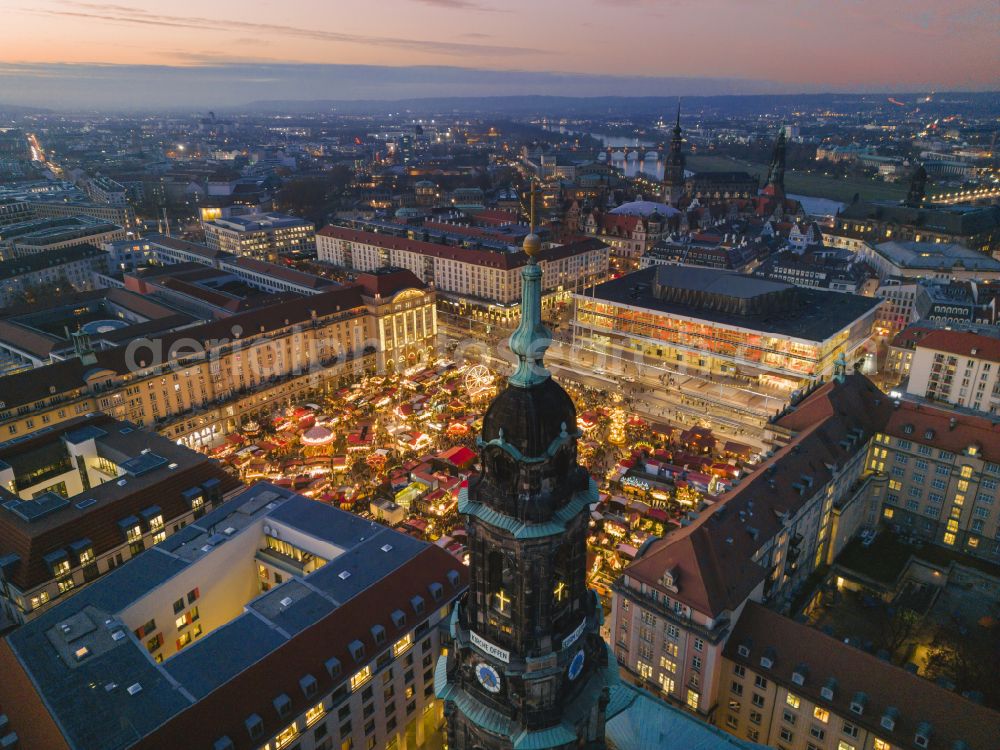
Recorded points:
(261,236)
(793,687)
(898,309)
(943,261)
(47,205)
(961,368)
(13,210)
(976,227)
(197,384)
(78,501)
(272,622)
(942,469)
(477,282)
(687,620)
(630,230)
(675,606)
(69,269)
(42,235)
(105,190)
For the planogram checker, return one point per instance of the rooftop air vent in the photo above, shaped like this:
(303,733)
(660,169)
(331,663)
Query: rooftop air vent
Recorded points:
(286,602)
(134,689)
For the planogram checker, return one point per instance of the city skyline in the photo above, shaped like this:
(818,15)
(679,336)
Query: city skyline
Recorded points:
(192,54)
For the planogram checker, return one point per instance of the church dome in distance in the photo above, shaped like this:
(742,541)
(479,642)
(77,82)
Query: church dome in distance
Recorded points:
(644,208)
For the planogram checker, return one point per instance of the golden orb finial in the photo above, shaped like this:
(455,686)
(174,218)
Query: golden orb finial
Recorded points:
(532,244)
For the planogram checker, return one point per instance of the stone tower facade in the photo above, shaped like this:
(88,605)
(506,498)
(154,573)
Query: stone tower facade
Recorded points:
(528,667)
(673,169)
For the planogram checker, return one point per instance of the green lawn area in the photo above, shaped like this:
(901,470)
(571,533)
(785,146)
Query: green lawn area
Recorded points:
(801,183)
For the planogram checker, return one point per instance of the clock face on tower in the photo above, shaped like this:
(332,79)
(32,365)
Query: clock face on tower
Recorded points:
(488,677)
(575,666)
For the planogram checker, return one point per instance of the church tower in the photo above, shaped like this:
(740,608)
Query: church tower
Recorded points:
(673,168)
(776,172)
(918,188)
(527,667)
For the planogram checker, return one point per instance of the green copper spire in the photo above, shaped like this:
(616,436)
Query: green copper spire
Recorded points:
(531,338)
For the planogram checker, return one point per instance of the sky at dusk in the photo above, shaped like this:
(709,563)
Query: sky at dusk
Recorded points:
(48,47)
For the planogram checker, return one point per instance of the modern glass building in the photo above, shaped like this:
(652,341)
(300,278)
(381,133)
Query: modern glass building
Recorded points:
(719,322)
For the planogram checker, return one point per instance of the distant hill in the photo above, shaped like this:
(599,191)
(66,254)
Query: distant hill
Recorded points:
(575,106)
(16,110)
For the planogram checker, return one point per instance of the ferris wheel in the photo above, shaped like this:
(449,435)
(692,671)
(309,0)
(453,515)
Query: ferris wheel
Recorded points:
(478,380)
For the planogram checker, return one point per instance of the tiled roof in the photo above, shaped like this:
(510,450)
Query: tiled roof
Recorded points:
(948,429)
(388,282)
(284,273)
(911,335)
(489,258)
(712,557)
(963,343)
(917,700)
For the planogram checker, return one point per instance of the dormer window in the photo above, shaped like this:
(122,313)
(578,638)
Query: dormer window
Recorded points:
(859,702)
(828,691)
(58,563)
(800,674)
(255,726)
(308,685)
(357,649)
(131,528)
(767,658)
(84,551)
(669,579)
(283,705)
(436,590)
(923,736)
(889,718)
(332,667)
(743,650)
